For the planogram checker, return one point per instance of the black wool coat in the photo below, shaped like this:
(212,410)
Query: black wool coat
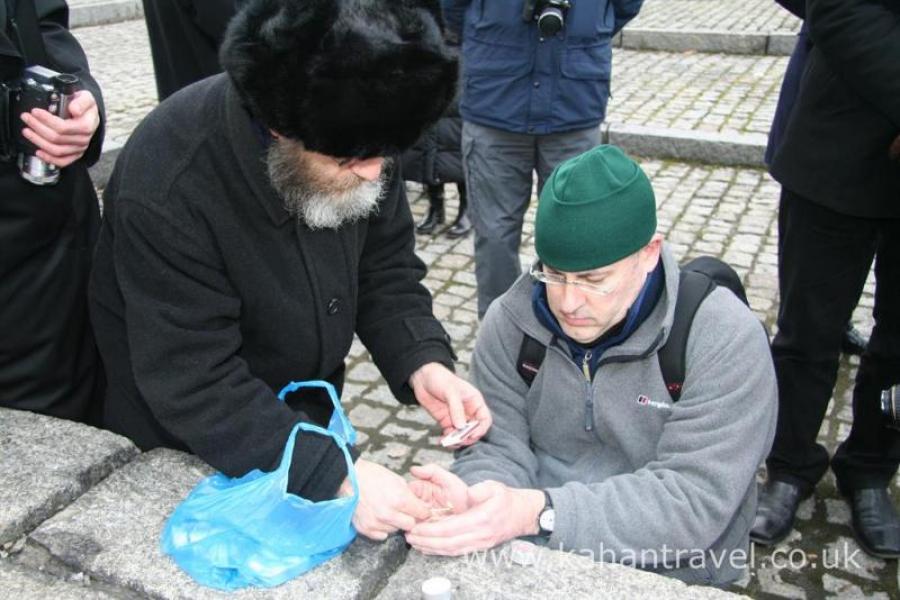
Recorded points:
(835,148)
(48,359)
(207,296)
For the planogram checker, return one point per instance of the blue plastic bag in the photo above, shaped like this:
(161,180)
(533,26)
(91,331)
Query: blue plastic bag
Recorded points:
(232,533)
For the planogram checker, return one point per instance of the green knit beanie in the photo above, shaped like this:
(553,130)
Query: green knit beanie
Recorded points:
(595,209)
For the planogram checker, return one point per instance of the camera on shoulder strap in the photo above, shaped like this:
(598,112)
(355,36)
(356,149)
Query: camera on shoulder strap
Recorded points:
(549,14)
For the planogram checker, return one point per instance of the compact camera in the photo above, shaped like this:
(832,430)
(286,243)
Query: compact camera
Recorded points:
(38,87)
(890,406)
(549,14)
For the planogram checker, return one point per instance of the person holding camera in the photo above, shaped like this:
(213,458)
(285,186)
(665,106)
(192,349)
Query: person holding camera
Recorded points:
(52,125)
(535,85)
(599,447)
(839,167)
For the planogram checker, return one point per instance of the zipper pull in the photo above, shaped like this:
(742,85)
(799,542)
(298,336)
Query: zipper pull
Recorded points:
(589,405)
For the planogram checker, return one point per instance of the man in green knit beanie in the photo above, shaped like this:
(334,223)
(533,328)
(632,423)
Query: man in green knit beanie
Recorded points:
(591,451)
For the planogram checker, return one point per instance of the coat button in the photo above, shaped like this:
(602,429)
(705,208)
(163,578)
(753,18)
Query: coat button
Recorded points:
(334,306)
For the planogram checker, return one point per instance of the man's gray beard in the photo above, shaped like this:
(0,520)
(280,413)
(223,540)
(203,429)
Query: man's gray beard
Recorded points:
(319,205)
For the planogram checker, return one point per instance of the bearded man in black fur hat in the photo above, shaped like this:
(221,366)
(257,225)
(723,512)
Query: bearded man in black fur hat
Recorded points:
(254,223)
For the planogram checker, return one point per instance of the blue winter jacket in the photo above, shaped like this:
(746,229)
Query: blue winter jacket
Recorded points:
(516,81)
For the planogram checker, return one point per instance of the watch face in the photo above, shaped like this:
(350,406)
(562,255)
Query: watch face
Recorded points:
(547,520)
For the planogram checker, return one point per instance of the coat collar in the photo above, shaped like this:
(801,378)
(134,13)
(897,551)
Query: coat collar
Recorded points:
(251,153)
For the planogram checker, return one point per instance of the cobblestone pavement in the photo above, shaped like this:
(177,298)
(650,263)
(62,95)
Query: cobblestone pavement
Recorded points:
(695,91)
(736,16)
(727,212)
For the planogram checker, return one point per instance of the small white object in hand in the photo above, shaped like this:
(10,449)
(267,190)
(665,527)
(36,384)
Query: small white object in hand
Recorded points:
(455,437)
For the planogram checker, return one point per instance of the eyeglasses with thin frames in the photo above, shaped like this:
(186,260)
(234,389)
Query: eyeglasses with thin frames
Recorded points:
(599,289)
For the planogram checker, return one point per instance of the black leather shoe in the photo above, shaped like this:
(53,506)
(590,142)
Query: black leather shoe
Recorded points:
(876,525)
(778,502)
(853,341)
(433,218)
(460,228)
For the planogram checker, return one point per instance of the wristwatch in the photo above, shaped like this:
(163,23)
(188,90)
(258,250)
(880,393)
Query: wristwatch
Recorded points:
(547,517)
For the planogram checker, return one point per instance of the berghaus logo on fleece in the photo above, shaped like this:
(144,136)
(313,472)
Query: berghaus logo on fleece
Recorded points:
(645,400)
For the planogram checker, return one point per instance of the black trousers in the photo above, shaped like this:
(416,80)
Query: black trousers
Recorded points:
(824,258)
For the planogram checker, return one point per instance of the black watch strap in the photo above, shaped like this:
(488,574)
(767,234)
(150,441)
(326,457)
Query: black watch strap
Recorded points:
(548,505)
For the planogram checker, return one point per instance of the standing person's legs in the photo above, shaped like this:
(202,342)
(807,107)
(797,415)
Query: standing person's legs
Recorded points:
(555,148)
(498,167)
(824,259)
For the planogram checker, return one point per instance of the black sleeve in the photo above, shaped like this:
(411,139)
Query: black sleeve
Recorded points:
(860,39)
(795,7)
(66,56)
(394,319)
(183,330)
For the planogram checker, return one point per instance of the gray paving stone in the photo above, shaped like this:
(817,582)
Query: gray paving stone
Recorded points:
(26,584)
(401,433)
(838,512)
(554,575)
(85,13)
(770,581)
(46,463)
(366,416)
(846,589)
(437,456)
(844,554)
(112,534)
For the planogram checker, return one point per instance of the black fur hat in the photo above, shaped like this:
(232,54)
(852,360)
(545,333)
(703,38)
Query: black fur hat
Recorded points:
(348,78)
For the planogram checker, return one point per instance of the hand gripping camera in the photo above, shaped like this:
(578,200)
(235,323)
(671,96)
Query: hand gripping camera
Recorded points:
(549,14)
(890,406)
(38,87)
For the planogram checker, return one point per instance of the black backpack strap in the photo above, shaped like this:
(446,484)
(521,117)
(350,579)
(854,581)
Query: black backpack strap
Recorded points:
(693,287)
(531,355)
(26,31)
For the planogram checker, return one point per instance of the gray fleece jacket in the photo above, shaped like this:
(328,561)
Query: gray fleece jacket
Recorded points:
(662,486)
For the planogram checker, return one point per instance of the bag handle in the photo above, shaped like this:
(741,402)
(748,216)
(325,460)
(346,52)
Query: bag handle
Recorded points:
(288,455)
(339,423)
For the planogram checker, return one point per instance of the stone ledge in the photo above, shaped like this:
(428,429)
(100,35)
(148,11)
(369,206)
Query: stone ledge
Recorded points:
(102,12)
(47,463)
(714,148)
(112,534)
(554,575)
(719,42)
